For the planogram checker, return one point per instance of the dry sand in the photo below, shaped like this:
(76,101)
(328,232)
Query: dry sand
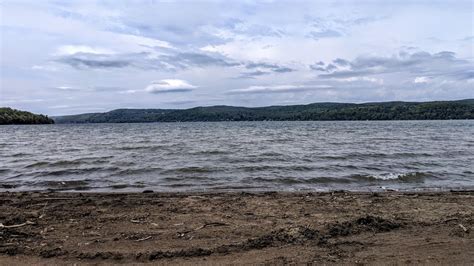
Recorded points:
(237,228)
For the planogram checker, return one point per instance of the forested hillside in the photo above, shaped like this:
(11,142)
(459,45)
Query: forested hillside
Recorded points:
(12,116)
(463,109)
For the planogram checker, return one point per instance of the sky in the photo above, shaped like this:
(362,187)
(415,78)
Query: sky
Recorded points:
(67,57)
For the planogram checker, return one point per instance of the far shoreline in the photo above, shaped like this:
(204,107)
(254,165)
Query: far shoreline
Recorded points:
(243,121)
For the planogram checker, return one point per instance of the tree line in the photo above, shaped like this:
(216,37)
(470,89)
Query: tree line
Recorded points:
(440,110)
(11,116)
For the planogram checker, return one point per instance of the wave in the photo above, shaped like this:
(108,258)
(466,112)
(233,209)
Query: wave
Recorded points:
(404,177)
(259,168)
(191,169)
(141,147)
(75,171)
(65,184)
(4,171)
(131,148)
(124,186)
(137,171)
(8,185)
(210,152)
(271,154)
(295,181)
(65,163)
(21,154)
(360,155)
(53,164)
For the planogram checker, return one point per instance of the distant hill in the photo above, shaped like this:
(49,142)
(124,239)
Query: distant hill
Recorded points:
(463,109)
(11,116)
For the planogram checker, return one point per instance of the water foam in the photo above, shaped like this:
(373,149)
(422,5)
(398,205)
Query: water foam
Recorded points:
(399,176)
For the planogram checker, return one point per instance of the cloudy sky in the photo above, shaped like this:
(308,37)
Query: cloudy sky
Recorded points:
(67,57)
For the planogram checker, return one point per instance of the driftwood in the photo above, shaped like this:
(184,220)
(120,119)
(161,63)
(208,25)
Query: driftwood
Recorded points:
(210,224)
(463,228)
(181,234)
(143,239)
(17,225)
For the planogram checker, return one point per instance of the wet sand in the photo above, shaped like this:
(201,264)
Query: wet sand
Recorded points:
(237,228)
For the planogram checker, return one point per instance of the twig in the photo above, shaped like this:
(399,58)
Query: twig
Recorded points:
(183,233)
(461,191)
(210,224)
(57,198)
(143,239)
(450,220)
(42,210)
(17,225)
(463,228)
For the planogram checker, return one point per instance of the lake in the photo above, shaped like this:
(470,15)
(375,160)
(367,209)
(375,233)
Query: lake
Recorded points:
(239,156)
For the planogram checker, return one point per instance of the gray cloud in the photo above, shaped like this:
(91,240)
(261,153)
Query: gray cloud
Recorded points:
(253,74)
(240,27)
(444,63)
(190,59)
(468,39)
(340,62)
(320,66)
(317,67)
(330,27)
(108,89)
(66,88)
(278,89)
(142,60)
(327,33)
(283,70)
(264,69)
(346,74)
(185,102)
(167,62)
(260,65)
(84,60)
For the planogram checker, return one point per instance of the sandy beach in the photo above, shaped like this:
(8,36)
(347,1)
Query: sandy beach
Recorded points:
(237,228)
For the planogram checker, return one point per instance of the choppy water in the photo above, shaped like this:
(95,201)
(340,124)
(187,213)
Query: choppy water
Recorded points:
(286,156)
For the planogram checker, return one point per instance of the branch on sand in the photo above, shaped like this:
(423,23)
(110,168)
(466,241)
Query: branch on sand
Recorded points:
(16,225)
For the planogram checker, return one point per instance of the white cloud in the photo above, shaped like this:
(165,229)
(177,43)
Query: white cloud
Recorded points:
(45,68)
(169,85)
(379,81)
(22,101)
(142,41)
(61,106)
(129,91)
(279,89)
(422,80)
(66,88)
(75,49)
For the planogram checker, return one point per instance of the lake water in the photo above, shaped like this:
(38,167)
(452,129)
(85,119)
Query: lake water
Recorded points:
(243,156)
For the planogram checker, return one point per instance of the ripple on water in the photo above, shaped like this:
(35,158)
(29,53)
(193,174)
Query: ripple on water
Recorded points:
(190,170)
(66,184)
(400,177)
(75,171)
(4,171)
(137,171)
(249,155)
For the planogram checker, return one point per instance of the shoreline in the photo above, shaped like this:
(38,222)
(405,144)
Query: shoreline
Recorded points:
(237,227)
(68,189)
